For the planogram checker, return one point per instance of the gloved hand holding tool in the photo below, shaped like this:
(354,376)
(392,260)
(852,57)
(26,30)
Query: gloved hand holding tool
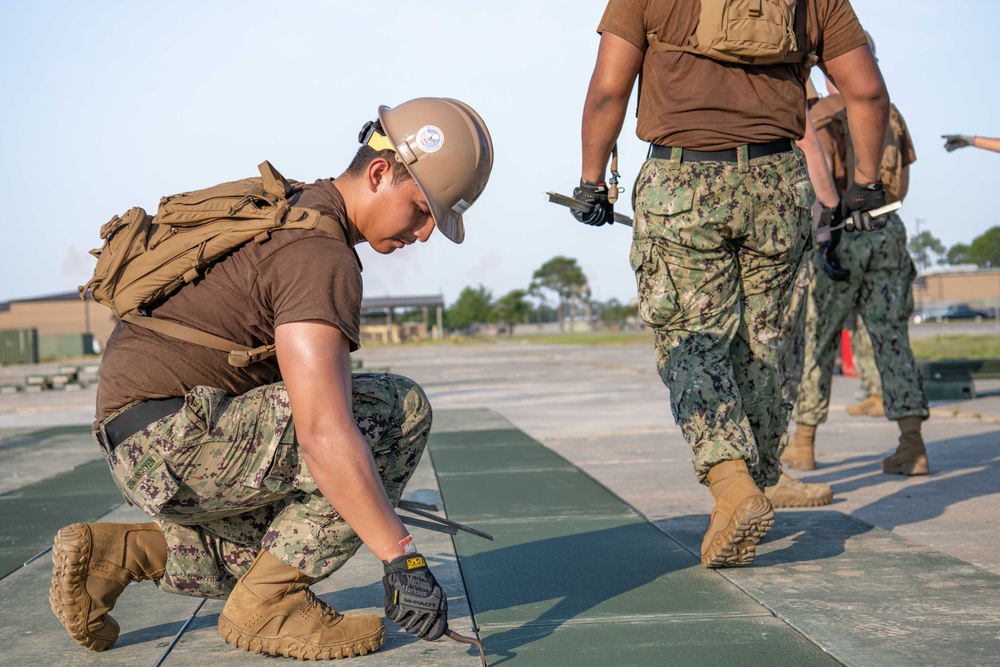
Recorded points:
(953,141)
(414,599)
(856,204)
(595,195)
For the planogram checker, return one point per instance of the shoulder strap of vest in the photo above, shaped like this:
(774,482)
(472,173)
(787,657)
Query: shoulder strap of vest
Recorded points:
(240,356)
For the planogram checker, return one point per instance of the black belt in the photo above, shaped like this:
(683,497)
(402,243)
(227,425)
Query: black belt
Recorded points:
(136,418)
(729,155)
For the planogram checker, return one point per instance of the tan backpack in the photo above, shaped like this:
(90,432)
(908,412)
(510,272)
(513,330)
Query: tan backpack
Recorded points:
(746,32)
(145,259)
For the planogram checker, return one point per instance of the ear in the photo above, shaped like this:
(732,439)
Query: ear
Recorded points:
(379,172)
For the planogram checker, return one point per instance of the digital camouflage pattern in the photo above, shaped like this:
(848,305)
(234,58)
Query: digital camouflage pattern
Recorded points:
(864,360)
(716,247)
(793,326)
(225,477)
(880,287)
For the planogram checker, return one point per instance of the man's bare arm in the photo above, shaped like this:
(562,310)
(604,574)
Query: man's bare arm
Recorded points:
(859,80)
(314,357)
(618,63)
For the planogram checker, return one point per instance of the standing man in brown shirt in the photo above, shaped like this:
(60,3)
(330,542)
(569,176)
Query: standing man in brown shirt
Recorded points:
(266,478)
(722,219)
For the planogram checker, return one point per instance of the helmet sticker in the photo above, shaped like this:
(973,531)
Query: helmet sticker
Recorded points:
(461,207)
(430,138)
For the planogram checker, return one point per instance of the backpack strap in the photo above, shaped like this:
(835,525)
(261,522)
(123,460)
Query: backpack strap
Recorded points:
(240,356)
(275,184)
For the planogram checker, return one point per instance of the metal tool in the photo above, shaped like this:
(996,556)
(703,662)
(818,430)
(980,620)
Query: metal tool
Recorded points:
(874,213)
(569,202)
(435,523)
(467,640)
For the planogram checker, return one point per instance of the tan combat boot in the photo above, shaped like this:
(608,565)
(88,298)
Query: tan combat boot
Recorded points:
(800,454)
(791,492)
(911,456)
(740,519)
(92,565)
(271,610)
(871,406)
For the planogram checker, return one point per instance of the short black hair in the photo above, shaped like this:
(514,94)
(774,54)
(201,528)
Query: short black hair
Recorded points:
(366,154)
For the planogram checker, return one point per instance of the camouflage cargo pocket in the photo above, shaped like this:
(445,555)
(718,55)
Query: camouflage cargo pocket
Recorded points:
(149,485)
(803,194)
(656,289)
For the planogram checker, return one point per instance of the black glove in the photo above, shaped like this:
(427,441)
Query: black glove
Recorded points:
(826,254)
(953,141)
(595,195)
(413,597)
(857,201)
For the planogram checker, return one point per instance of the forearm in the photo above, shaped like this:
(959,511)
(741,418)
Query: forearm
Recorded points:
(859,80)
(868,120)
(345,474)
(987,143)
(603,117)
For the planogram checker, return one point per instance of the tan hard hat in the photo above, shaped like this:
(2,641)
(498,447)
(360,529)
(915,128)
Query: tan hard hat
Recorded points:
(447,149)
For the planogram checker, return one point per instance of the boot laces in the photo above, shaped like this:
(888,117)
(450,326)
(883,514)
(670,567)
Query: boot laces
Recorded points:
(326,611)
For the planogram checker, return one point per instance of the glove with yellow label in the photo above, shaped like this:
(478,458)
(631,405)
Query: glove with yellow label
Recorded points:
(413,597)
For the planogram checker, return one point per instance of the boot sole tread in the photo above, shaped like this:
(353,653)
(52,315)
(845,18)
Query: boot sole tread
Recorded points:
(736,544)
(297,648)
(68,596)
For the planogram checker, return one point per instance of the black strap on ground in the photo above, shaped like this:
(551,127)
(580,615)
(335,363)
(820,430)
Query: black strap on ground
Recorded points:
(180,633)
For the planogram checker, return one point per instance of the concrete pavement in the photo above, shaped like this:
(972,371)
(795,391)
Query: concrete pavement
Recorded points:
(895,571)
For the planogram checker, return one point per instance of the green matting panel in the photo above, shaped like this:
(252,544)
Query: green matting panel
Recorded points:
(576,577)
(32,515)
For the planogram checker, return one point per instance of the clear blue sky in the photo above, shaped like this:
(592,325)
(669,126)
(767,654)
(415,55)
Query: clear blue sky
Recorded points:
(112,104)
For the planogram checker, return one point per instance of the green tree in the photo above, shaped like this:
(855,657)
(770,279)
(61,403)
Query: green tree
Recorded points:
(512,308)
(922,247)
(564,278)
(959,254)
(985,248)
(616,313)
(473,306)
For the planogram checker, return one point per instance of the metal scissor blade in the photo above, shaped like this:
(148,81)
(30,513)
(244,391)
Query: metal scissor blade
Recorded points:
(443,521)
(569,202)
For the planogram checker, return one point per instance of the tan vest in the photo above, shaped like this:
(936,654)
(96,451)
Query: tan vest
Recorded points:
(830,113)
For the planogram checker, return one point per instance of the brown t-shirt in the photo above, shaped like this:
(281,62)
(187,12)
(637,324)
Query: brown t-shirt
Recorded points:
(830,118)
(296,275)
(695,102)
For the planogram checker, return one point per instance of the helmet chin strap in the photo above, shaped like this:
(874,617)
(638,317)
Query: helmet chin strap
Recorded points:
(373,139)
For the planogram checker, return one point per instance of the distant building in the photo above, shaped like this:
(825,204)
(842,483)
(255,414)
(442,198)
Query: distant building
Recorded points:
(63,314)
(58,314)
(946,285)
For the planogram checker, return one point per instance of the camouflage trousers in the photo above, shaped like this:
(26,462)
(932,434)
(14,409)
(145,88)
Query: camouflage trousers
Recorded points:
(224,477)
(715,250)
(864,359)
(880,287)
(791,358)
